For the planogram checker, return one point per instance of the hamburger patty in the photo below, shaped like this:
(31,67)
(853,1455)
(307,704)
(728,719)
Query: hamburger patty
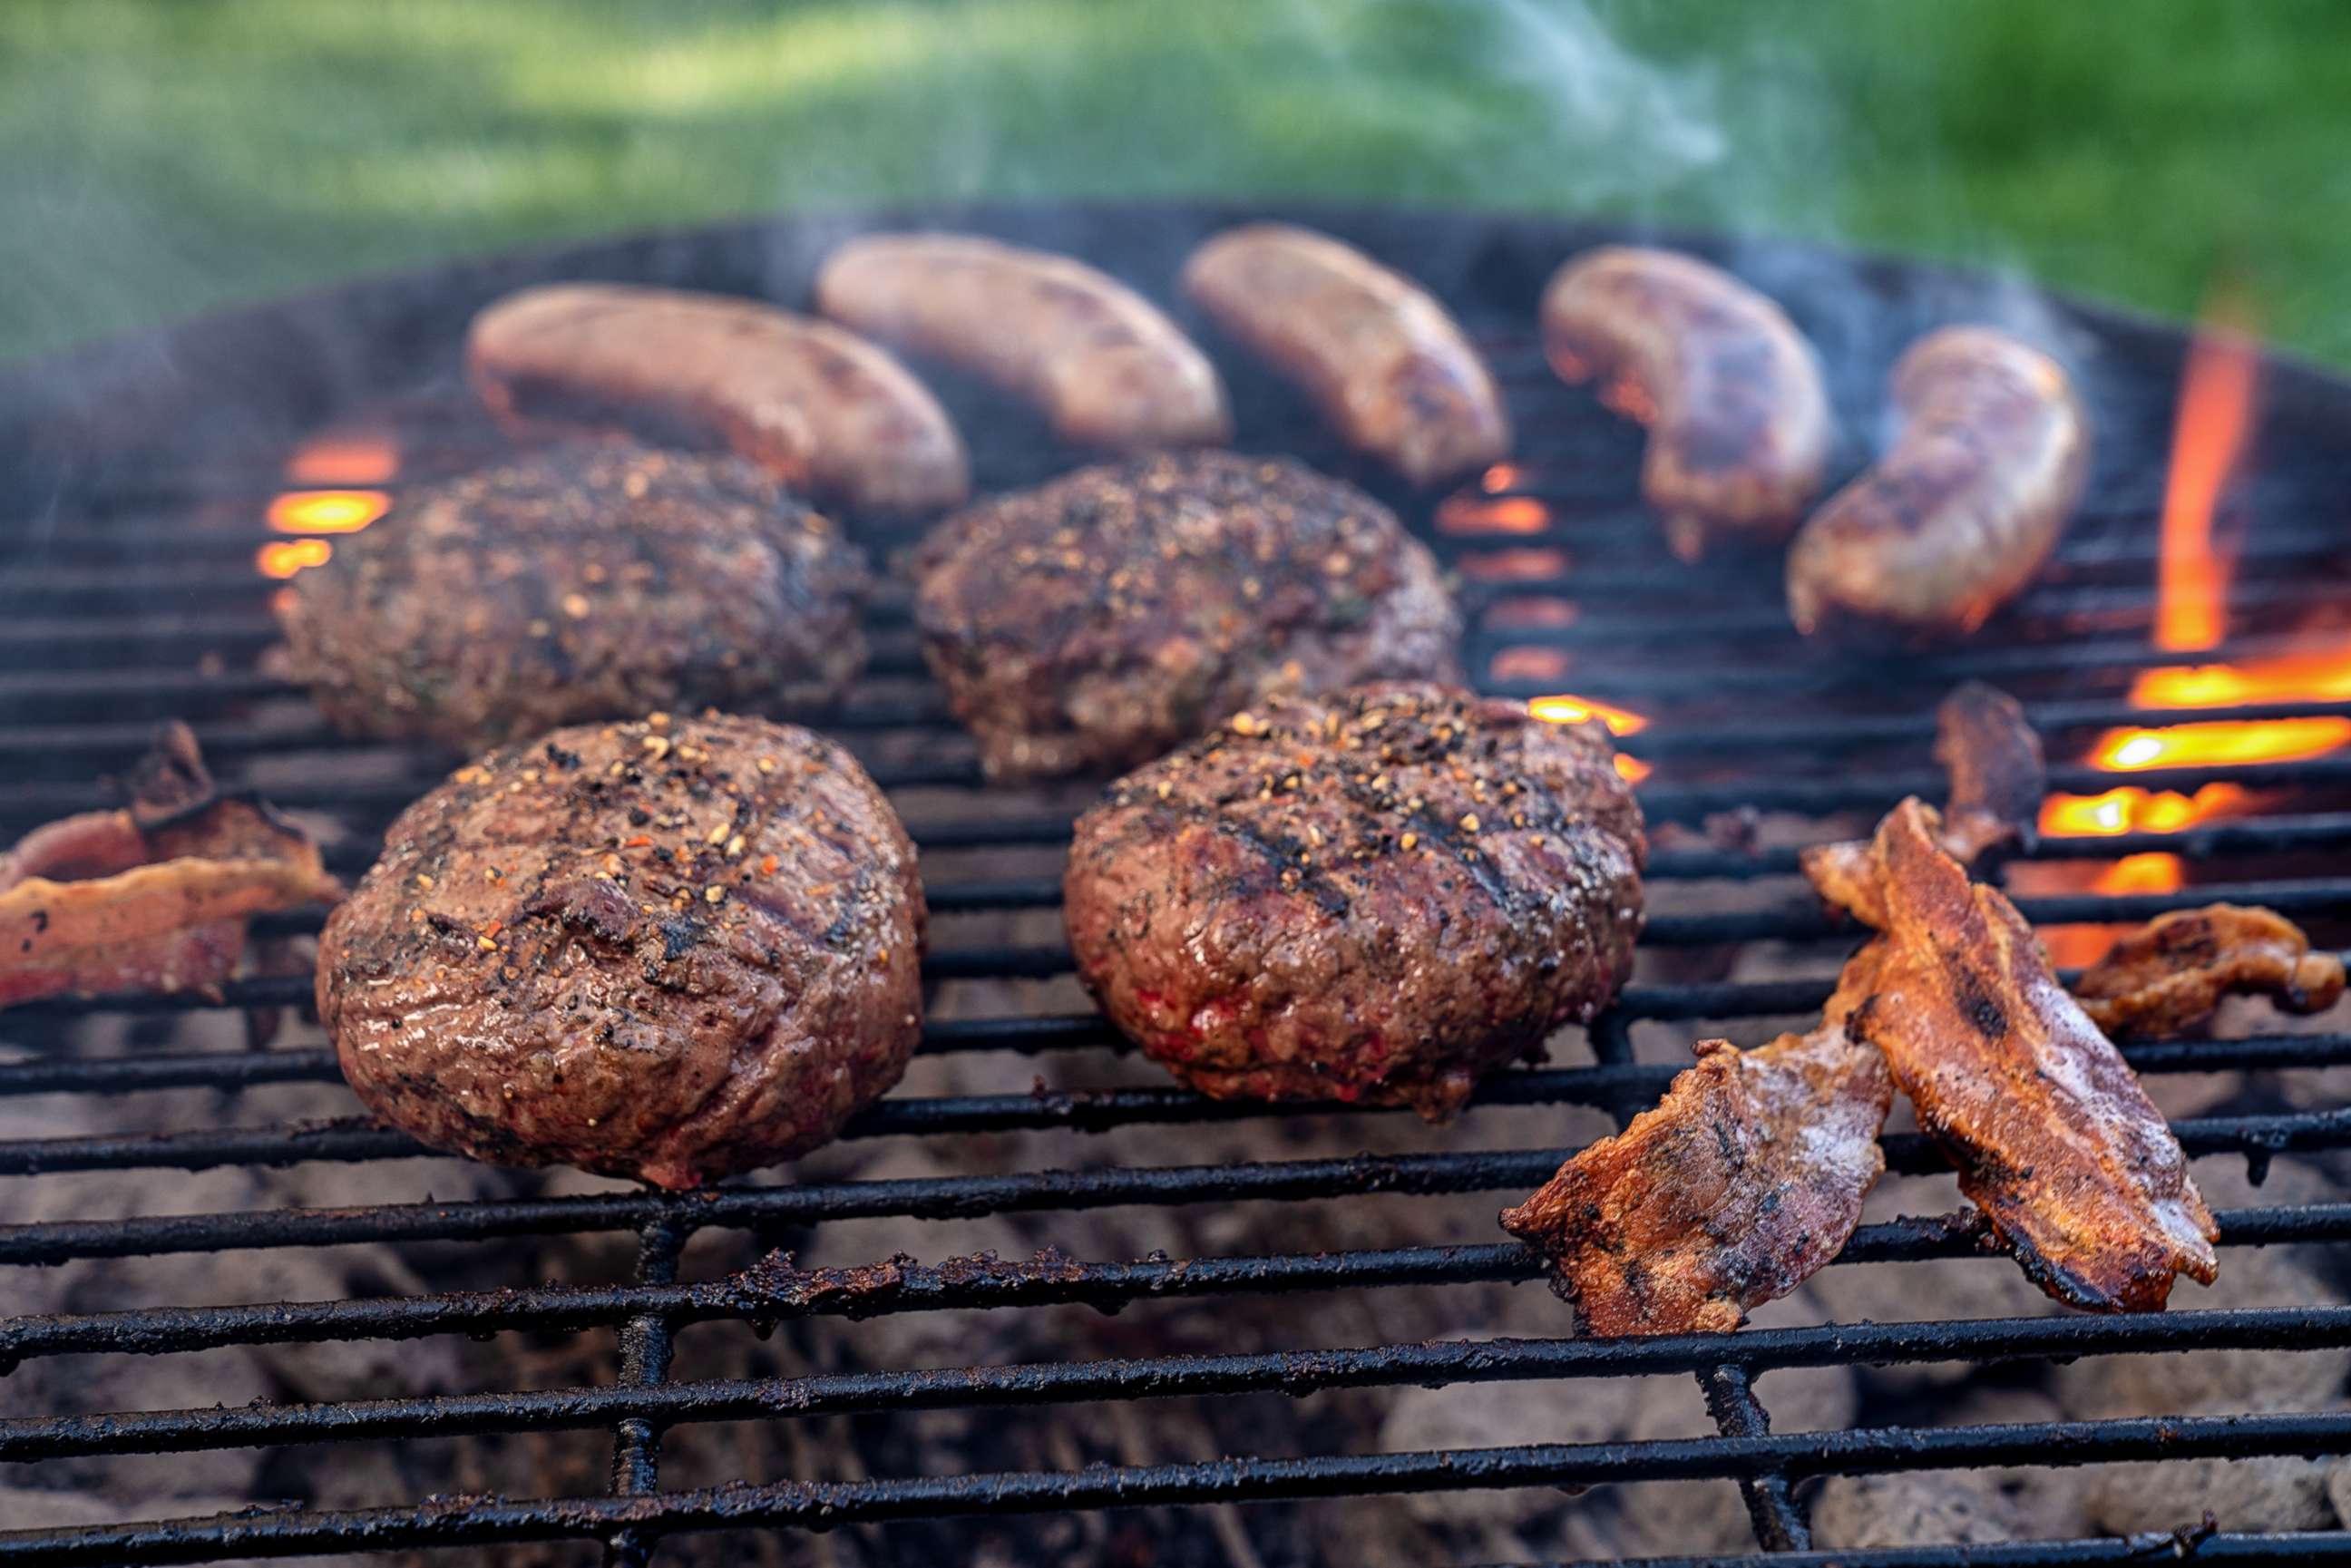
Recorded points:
(1095,622)
(1375,896)
(671,949)
(592,581)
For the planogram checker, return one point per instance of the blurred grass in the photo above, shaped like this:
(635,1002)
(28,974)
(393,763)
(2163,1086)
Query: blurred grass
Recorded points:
(162,158)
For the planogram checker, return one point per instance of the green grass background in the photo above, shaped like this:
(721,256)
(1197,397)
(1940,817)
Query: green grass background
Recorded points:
(162,158)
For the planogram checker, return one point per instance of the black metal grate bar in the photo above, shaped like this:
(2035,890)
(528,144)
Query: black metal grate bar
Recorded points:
(825,1505)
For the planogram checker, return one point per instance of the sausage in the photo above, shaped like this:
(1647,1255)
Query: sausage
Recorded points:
(1380,357)
(821,409)
(1099,360)
(1740,427)
(1963,508)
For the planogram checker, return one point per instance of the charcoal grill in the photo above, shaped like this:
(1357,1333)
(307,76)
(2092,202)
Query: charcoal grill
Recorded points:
(135,478)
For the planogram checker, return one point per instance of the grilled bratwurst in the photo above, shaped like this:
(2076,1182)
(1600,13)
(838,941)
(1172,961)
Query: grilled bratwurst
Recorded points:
(597,581)
(668,949)
(1099,360)
(1374,896)
(1964,508)
(1389,367)
(820,409)
(1095,622)
(1740,427)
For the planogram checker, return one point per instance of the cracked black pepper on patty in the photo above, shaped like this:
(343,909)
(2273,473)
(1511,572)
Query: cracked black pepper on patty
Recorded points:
(1374,897)
(1095,622)
(581,582)
(672,949)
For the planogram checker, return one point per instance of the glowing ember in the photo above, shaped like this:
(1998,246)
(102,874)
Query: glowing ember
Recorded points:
(1501,476)
(359,457)
(1501,514)
(327,511)
(1563,708)
(284,557)
(1515,565)
(1525,664)
(1513,614)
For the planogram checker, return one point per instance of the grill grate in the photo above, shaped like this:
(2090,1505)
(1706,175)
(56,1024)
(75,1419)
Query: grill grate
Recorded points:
(130,577)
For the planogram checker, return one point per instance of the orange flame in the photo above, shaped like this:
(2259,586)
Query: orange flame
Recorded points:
(1562,707)
(284,557)
(2216,409)
(1501,476)
(327,511)
(2216,402)
(1494,515)
(358,456)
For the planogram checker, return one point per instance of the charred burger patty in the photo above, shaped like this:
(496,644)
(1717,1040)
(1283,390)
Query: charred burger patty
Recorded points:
(1097,621)
(668,949)
(1374,897)
(594,581)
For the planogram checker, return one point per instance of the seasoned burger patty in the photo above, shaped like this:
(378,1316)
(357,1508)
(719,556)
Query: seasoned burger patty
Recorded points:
(595,581)
(1375,896)
(1095,622)
(667,949)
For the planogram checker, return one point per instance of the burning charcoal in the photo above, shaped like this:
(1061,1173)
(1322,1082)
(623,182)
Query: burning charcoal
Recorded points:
(1661,1517)
(1497,1415)
(1953,1506)
(2165,977)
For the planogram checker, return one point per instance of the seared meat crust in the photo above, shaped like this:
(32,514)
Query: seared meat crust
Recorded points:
(1966,506)
(154,897)
(1741,1184)
(1102,364)
(2055,1139)
(1390,369)
(666,949)
(818,407)
(1374,897)
(1095,622)
(1740,427)
(589,583)
(1998,778)
(2167,976)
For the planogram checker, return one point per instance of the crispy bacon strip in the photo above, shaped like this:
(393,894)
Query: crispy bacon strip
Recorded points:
(154,898)
(1747,1177)
(2055,1139)
(1998,778)
(2167,976)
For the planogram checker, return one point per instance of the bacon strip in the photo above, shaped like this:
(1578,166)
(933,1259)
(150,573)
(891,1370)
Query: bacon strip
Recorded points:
(154,898)
(1998,778)
(2055,1139)
(2167,976)
(1747,1177)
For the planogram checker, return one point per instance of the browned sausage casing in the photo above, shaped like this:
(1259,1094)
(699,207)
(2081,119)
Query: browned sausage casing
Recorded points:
(1739,428)
(1381,358)
(821,409)
(1966,506)
(1102,364)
